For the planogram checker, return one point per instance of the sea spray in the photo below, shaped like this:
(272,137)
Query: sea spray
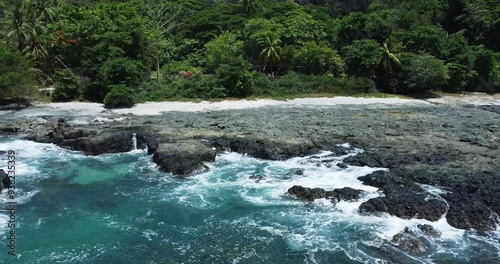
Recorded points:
(134,141)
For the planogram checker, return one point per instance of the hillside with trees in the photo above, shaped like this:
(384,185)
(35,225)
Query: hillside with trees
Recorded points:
(123,52)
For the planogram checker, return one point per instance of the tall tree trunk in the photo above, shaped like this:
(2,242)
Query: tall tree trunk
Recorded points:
(157,67)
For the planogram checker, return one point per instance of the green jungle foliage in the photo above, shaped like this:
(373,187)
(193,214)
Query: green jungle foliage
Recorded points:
(117,51)
(67,86)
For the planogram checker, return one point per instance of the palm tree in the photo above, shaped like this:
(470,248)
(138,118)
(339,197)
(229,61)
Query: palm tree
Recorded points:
(389,60)
(271,51)
(249,6)
(25,29)
(36,49)
(17,26)
(43,9)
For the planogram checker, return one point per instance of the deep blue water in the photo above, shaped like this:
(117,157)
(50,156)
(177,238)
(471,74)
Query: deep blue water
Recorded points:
(119,208)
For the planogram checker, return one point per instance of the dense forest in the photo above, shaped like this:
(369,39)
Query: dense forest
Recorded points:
(122,52)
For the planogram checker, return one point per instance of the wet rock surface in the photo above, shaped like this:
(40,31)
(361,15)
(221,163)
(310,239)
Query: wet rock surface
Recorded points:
(451,146)
(429,230)
(311,194)
(4,180)
(406,202)
(407,241)
(344,194)
(257,178)
(184,157)
(307,194)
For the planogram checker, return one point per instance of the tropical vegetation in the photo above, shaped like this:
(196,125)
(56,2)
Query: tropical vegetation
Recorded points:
(122,52)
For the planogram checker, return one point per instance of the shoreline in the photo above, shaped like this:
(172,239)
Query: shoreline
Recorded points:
(450,144)
(157,108)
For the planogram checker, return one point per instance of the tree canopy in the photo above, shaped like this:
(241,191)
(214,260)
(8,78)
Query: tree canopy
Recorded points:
(103,46)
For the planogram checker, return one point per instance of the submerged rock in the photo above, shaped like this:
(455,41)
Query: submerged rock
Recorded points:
(184,157)
(344,194)
(257,178)
(429,230)
(342,165)
(297,171)
(407,241)
(307,194)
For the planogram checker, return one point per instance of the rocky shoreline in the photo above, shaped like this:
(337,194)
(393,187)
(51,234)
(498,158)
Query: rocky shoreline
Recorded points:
(453,147)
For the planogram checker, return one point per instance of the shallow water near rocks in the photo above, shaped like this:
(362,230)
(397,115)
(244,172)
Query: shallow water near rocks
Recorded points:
(119,208)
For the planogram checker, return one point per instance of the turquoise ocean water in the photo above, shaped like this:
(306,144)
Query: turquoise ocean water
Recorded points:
(119,208)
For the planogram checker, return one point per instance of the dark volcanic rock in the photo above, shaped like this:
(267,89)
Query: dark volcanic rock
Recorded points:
(405,203)
(382,178)
(264,148)
(362,159)
(113,142)
(184,157)
(257,178)
(344,194)
(342,165)
(297,171)
(470,211)
(407,241)
(4,180)
(429,230)
(42,130)
(307,194)
(445,145)
(13,104)
(490,108)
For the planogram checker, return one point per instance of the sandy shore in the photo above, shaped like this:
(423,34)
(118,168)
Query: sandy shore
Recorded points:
(156,108)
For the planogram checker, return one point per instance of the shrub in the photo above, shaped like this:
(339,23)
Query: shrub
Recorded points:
(198,87)
(16,78)
(486,66)
(419,74)
(67,86)
(123,71)
(223,50)
(461,77)
(236,78)
(293,84)
(362,57)
(120,95)
(314,59)
(174,67)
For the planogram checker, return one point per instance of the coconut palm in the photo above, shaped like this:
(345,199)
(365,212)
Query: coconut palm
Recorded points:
(25,29)
(43,9)
(271,51)
(249,6)
(17,26)
(389,59)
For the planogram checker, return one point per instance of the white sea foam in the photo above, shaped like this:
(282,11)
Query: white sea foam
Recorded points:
(4,220)
(20,197)
(320,220)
